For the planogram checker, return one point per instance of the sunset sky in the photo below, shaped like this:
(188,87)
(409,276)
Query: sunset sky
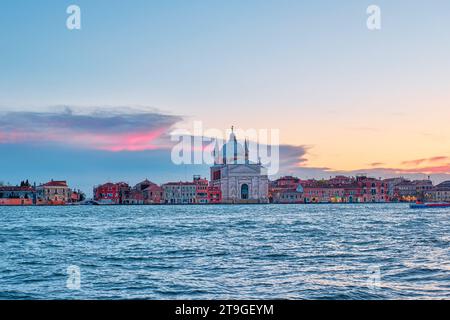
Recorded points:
(99,103)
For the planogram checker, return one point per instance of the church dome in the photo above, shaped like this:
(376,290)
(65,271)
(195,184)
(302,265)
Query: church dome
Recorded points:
(232,152)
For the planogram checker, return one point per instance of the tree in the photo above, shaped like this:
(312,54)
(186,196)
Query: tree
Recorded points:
(25,183)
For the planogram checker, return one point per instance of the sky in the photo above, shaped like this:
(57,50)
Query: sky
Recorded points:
(98,104)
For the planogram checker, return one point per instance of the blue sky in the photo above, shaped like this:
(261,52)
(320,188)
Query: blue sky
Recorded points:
(377,97)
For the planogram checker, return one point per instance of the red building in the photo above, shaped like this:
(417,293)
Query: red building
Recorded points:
(214,195)
(288,182)
(110,193)
(146,192)
(153,194)
(134,197)
(77,196)
(341,181)
(352,193)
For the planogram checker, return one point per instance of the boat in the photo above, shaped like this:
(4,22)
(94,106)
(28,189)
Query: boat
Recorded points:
(420,205)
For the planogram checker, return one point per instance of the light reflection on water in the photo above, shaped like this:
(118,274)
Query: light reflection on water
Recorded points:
(224,252)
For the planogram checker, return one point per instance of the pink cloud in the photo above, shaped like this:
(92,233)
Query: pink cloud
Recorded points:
(132,142)
(427,170)
(425,160)
(111,132)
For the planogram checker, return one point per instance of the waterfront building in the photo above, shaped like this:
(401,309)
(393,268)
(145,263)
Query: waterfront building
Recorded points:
(179,192)
(422,187)
(289,182)
(373,190)
(53,193)
(107,193)
(206,193)
(285,195)
(353,193)
(153,194)
(239,180)
(111,193)
(440,193)
(321,194)
(335,190)
(322,191)
(133,196)
(411,191)
(214,195)
(285,190)
(141,186)
(77,196)
(406,191)
(201,190)
(392,190)
(145,192)
(17,195)
(124,192)
(341,181)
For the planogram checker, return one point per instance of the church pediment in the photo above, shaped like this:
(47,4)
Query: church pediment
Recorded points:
(243,169)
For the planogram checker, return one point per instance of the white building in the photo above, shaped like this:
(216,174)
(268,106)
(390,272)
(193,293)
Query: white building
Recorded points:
(239,180)
(54,192)
(179,192)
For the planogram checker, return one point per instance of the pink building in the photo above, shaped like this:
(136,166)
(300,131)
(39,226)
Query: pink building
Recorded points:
(334,190)
(373,190)
(322,194)
(201,190)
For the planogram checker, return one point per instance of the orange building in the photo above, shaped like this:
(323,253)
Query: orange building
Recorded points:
(16,202)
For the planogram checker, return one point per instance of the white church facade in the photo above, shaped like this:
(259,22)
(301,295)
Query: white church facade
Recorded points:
(239,180)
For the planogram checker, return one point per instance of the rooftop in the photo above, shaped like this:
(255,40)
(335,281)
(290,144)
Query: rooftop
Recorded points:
(444,185)
(16,188)
(55,184)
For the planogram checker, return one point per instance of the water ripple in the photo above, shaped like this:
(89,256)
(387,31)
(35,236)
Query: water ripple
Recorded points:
(223,252)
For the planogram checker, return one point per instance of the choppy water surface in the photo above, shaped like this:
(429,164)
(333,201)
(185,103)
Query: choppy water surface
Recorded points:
(242,252)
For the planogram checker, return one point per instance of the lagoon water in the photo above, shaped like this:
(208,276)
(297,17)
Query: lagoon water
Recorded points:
(223,252)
